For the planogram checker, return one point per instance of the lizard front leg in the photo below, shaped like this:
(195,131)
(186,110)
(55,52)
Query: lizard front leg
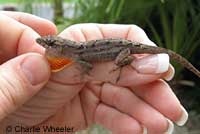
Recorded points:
(122,60)
(85,67)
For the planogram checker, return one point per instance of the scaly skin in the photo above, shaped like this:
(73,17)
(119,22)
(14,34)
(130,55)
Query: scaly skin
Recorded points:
(104,50)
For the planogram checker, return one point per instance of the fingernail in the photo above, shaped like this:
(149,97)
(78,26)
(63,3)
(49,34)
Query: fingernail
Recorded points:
(170,73)
(35,69)
(184,117)
(170,127)
(158,63)
(144,130)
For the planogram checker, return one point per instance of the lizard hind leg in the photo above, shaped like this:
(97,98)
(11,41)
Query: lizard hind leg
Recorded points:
(123,63)
(123,59)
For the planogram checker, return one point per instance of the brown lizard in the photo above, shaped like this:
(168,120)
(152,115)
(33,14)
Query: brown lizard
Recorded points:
(61,52)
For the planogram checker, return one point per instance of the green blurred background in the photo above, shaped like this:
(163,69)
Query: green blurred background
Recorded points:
(173,24)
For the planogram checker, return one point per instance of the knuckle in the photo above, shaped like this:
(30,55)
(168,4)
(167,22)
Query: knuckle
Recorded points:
(130,131)
(158,125)
(81,25)
(138,34)
(75,26)
(137,29)
(116,97)
(11,90)
(175,112)
(8,102)
(100,114)
(132,127)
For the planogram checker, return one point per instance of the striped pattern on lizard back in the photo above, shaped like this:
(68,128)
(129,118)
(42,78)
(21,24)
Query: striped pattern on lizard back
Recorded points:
(104,50)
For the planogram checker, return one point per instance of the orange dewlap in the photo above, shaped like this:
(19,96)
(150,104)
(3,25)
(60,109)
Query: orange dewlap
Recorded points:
(58,64)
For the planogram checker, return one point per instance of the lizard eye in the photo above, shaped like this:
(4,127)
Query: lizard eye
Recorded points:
(50,42)
(39,40)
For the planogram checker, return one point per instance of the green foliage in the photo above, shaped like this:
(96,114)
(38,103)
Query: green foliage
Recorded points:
(178,28)
(171,24)
(8,1)
(58,11)
(27,4)
(112,11)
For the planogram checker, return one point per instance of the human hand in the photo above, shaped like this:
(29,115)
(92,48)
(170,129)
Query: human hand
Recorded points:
(21,75)
(150,68)
(65,100)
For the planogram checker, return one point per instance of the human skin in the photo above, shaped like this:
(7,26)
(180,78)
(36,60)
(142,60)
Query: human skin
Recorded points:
(33,96)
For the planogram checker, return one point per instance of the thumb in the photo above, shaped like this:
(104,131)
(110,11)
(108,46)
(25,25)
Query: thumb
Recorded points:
(20,79)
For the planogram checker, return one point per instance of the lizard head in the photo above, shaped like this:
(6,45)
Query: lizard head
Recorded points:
(50,41)
(57,46)
(58,51)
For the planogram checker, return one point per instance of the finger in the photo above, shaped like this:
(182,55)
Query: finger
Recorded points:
(16,39)
(82,32)
(117,122)
(20,80)
(153,120)
(40,25)
(160,96)
(153,63)
(46,103)
(89,103)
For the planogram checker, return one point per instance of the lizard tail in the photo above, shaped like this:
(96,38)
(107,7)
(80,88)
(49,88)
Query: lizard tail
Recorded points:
(174,56)
(183,62)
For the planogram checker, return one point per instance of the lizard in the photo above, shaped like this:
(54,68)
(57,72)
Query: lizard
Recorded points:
(61,52)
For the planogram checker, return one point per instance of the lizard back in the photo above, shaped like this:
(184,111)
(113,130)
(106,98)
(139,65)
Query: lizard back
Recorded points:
(108,49)
(104,50)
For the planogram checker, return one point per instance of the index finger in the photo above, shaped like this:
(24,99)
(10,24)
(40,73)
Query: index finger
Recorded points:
(40,25)
(17,35)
